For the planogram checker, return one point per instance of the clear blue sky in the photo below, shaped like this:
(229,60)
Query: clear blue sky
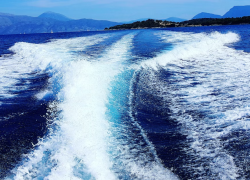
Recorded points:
(120,10)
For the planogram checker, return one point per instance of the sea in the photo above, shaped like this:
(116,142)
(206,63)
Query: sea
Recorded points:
(146,104)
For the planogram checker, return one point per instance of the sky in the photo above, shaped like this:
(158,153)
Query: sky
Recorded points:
(120,10)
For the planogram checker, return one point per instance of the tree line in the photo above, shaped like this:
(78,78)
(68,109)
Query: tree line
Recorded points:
(151,23)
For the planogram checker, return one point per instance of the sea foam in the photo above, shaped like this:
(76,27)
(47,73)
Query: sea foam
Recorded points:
(80,135)
(205,95)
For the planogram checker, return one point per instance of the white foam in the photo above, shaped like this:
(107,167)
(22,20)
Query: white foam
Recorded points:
(56,56)
(85,122)
(30,58)
(43,94)
(132,159)
(206,60)
(192,45)
(81,136)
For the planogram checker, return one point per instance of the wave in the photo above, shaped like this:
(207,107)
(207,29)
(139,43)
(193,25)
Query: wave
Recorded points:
(82,141)
(206,90)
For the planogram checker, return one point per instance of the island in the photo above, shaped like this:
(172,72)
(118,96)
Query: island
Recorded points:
(152,23)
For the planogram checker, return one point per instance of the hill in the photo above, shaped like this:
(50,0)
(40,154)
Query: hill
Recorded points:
(55,16)
(13,24)
(206,15)
(238,11)
(216,21)
(150,23)
(172,19)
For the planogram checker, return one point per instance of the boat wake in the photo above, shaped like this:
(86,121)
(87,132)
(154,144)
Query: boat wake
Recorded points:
(175,115)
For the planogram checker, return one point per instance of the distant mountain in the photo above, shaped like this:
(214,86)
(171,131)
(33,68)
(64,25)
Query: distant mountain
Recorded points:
(174,19)
(206,15)
(238,11)
(55,16)
(6,14)
(7,20)
(12,24)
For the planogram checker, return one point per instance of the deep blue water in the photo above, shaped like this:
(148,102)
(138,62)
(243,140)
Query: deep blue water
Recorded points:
(136,104)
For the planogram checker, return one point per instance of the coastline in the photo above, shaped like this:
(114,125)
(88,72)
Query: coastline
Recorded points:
(151,23)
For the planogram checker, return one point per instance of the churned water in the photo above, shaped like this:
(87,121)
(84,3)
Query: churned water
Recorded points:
(136,104)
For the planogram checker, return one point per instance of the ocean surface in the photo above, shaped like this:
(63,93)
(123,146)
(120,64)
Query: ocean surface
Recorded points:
(155,104)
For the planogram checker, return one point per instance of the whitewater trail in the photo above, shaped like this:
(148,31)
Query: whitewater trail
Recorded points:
(80,134)
(93,132)
(55,58)
(205,93)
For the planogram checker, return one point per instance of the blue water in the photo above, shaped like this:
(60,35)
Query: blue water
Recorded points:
(134,104)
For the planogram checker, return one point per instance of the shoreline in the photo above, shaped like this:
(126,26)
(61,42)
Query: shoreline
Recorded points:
(152,23)
(176,26)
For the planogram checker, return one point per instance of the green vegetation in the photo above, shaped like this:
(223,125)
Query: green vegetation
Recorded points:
(151,23)
(221,21)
